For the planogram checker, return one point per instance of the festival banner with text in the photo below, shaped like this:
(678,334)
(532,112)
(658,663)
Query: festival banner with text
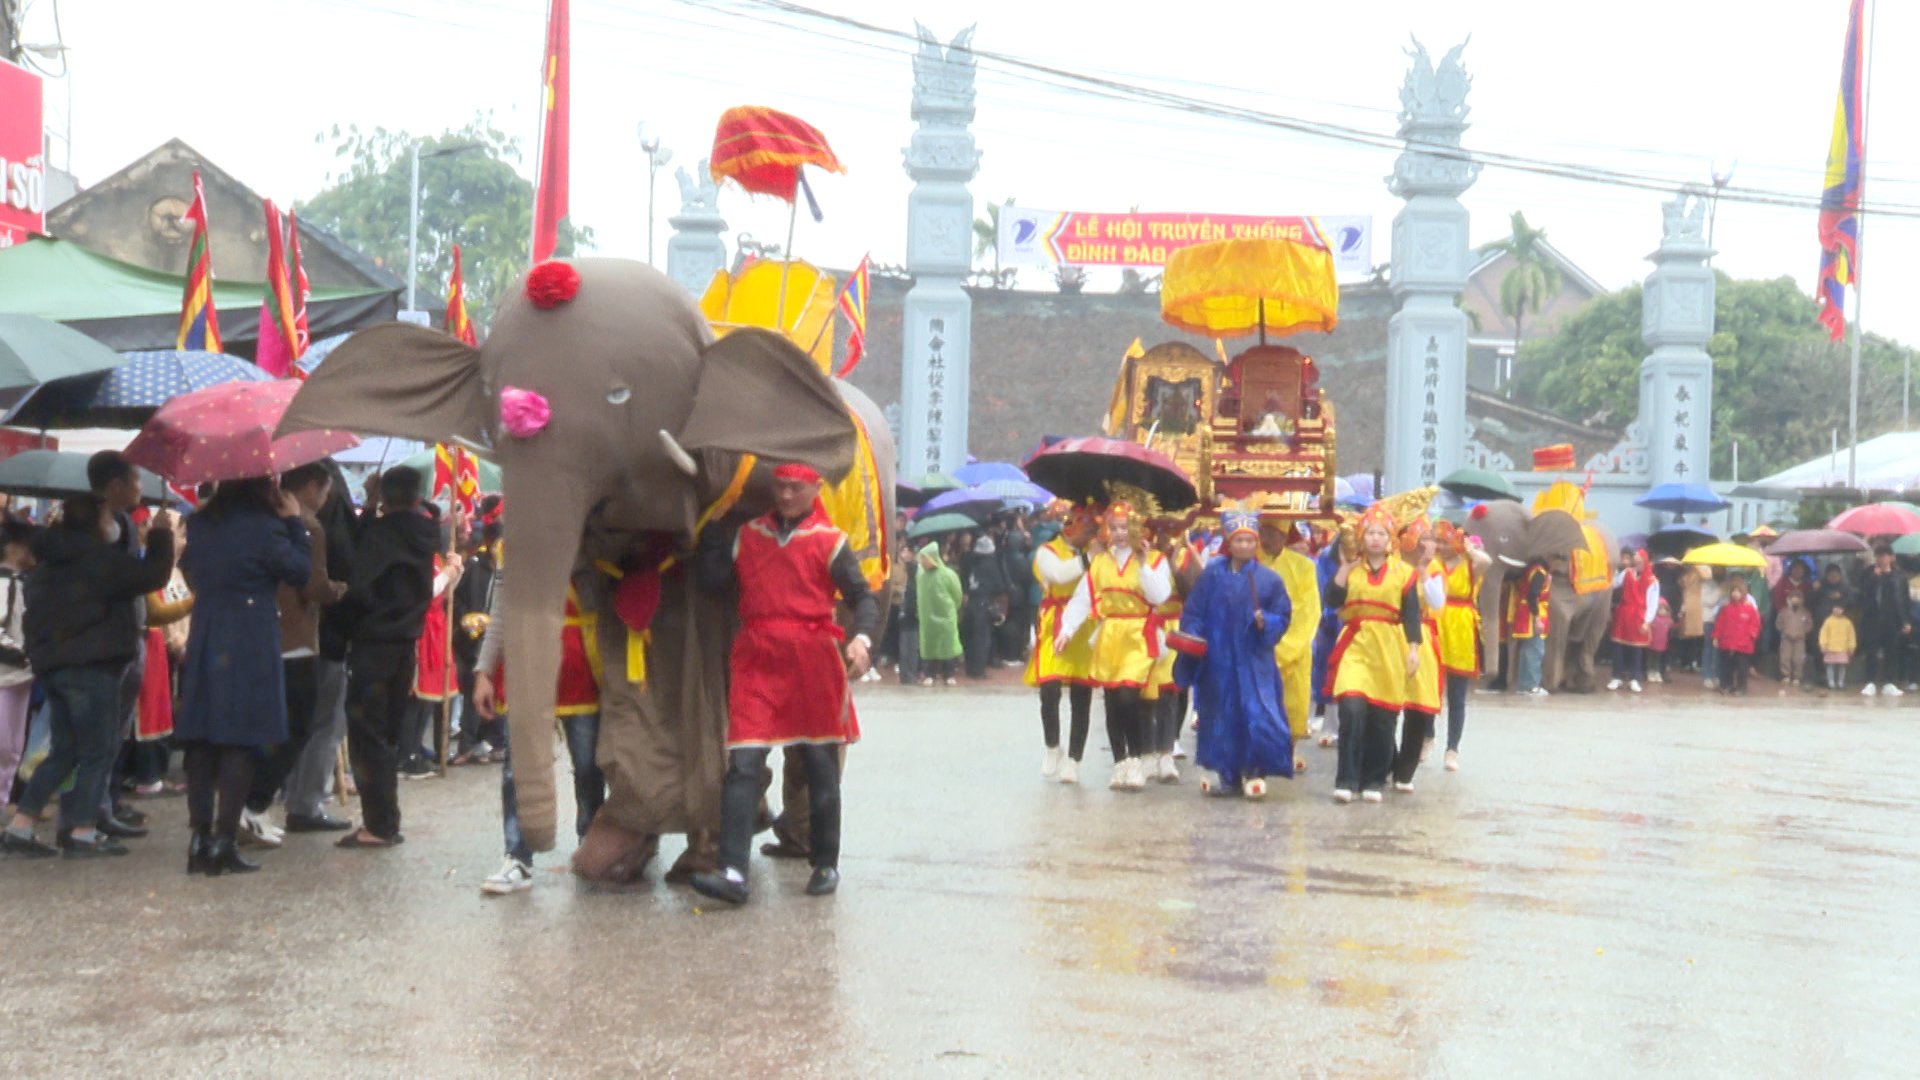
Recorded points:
(1049,237)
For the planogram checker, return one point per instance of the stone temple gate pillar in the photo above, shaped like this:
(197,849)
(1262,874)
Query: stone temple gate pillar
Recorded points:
(937,325)
(1676,319)
(696,251)
(1426,427)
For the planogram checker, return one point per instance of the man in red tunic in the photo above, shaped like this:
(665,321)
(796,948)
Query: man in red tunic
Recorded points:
(789,680)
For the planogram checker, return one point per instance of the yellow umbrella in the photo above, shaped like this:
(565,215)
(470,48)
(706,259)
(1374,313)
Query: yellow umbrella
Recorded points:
(1231,288)
(1732,556)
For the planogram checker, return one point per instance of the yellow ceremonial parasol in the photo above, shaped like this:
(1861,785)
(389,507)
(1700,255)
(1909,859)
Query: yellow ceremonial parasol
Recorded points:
(1231,288)
(1732,556)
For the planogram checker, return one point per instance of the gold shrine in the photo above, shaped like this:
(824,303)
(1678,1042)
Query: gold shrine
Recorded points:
(1255,429)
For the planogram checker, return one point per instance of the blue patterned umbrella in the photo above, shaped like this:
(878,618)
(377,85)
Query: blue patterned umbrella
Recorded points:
(982,472)
(128,395)
(1018,491)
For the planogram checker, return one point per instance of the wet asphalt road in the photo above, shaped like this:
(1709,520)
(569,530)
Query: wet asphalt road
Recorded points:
(1610,887)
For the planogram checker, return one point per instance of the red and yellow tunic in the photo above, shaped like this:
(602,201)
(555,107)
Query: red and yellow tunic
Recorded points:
(578,692)
(1423,690)
(789,682)
(1460,621)
(1168,612)
(1044,665)
(1128,641)
(1370,658)
(1519,616)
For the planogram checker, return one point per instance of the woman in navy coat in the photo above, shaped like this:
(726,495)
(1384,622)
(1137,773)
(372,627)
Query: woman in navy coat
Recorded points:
(245,543)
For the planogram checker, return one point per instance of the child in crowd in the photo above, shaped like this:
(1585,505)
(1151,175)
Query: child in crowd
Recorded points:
(1735,633)
(1795,622)
(1837,645)
(1660,633)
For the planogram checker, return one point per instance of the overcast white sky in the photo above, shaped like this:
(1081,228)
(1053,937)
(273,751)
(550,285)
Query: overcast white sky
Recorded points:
(1661,87)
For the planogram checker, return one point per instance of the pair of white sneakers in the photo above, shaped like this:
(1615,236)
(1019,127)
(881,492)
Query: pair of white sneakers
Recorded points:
(1133,773)
(1058,766)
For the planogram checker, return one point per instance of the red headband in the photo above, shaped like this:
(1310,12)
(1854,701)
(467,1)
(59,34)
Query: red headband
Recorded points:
(793,470)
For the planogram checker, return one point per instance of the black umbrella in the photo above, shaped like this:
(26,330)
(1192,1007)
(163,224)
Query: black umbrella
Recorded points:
(1081,469)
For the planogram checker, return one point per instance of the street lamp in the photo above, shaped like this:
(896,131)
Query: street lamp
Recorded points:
(413,218)
(657,156)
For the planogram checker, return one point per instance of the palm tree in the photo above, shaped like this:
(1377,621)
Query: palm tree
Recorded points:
(986,234)
(1531,281)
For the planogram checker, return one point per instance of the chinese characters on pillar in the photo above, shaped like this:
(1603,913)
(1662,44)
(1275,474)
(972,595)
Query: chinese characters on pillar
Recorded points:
(1430,415)
(1682,424)
(936,391)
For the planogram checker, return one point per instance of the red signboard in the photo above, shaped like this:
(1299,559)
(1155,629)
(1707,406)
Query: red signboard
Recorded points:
(23,174)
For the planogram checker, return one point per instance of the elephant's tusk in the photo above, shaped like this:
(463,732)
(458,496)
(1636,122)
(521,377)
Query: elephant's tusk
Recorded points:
(679,454)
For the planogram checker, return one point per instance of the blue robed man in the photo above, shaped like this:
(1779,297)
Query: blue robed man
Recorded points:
(1240,609)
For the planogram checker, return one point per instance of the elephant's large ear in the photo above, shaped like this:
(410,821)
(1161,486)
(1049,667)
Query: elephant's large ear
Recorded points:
(395,379)
(759,394)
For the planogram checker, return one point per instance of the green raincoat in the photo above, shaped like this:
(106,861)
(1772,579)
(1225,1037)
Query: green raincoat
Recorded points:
(939,603)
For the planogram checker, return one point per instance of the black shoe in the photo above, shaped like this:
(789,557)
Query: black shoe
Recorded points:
(101,846)
(128,816)
(824,882)
(417,770)
(719,886)
(27,847)
(200,853)
(321,822)
(119,828)
(223,857)
(780,849)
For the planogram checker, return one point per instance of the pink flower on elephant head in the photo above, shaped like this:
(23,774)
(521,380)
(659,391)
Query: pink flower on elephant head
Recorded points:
(523,413)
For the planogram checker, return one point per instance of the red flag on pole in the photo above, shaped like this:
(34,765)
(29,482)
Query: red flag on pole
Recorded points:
(457,322)
(274,353)
(550,193)
(302,289)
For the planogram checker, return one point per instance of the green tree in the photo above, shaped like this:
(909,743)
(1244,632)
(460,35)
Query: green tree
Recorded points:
(1531,281)
(1779,383)
(986,233)
(475,198)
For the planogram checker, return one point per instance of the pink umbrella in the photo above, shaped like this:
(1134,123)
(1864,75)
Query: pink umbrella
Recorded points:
(226,433)
(1877,519)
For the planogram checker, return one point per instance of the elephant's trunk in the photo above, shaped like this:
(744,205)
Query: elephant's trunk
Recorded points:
(543,521)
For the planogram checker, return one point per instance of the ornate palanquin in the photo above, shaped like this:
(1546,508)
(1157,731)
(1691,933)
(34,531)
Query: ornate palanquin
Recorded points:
(1254,429)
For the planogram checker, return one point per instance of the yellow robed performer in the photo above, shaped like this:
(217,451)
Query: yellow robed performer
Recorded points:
(1058,566)
(1374,656)
(1122,586)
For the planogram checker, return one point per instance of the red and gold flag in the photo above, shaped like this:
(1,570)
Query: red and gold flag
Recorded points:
(764,149)
(550,193)
(302,289)
(276,349)
(457,322)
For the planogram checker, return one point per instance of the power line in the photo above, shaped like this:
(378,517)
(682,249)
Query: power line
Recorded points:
(1115,89)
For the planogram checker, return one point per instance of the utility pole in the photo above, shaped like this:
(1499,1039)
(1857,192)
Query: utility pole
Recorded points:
(10,30)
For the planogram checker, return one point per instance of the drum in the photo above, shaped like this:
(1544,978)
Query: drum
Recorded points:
(1186,644)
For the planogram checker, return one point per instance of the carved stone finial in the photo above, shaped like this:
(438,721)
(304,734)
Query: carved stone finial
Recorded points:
(1435,95)
(1684,219)
(698,193)
(943,78)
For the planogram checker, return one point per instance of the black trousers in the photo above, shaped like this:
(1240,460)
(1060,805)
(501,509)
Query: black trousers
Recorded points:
(1733,670)
(379,692)
(1080,704)
(740,802)
(270,772)
(1458,686)
(1416,728)
(1167,714)
(976,638)
(1366,745)
(222,771)
(1129,724)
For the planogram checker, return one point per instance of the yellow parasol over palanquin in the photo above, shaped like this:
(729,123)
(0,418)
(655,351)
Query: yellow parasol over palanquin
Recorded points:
(1231,288)
(791,297)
